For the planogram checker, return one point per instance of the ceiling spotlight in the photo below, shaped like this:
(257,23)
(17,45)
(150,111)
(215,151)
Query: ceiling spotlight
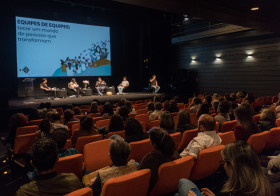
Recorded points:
(255,8)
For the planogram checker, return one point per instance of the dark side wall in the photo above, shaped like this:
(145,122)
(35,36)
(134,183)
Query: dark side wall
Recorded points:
(249,61)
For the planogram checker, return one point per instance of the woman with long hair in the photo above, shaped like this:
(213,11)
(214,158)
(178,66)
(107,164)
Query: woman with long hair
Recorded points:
(94,107)
(245,176)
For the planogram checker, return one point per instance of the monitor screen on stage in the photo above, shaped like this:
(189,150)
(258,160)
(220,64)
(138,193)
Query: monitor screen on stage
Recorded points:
(48,48)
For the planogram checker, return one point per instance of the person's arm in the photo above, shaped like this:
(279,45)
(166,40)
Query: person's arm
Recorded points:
(151,79)
(127,84)
(96,186)
(156,83)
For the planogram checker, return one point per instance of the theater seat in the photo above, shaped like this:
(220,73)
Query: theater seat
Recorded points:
(258,141)
(227,137)
(120,133)
(81,192)
(228,125)
(136,184)
(154,123)
(176,138)
(187,136)
(70,164)
(82,141)
(27,130)
(103,123)
(139,149)
(143,118)
(207,162)
(68,144)
(23,143)
(273,140)
(36,122)
(170,173)
(96,155)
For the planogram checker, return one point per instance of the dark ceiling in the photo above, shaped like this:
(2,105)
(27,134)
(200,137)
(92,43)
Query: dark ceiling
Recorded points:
(226,11)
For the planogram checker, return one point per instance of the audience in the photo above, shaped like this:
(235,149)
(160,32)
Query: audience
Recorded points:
(46,128)
(60,137)
(123,112)
(172,106)
(206,138)
(223,112)
(164,151)
(129,107)
(94,107)
(151,107)
(184,123)
(203,109)
(243,169)
(108,110)
(87,128)
(69,116)
(77,111)
(57,122)
(166,105)
(246,125)
(267,120)
(195,104)
(134,131)
(166,122)
(47,182)
(116,123)
(157,112)
(33,114)
(119,154)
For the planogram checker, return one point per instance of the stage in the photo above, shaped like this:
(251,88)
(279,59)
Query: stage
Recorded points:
(23,103)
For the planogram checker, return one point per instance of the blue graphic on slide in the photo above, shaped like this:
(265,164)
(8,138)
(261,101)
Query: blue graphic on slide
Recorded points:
(58,49)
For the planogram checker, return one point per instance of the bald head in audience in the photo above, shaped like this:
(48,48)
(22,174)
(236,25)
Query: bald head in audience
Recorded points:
(206,122)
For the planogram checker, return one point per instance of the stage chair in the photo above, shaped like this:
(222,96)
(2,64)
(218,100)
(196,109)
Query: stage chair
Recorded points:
(227,137)
(36,122)
(258,141)
(256,117)
(154,123)
(139,149)
(23,143)
(207,162)
(103,123)
(136,184)
(277,122)
(96,155)
(81,192)
(143,118)
(84,107)
(273,140)
(170,173)
(193,119)
(68,144)
(120,133)
(142,111)
(82,141)
(228,125)
(27,130)
(187,136)
(70,164)
(176,138)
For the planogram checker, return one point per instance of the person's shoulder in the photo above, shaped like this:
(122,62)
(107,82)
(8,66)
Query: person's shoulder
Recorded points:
(27,189)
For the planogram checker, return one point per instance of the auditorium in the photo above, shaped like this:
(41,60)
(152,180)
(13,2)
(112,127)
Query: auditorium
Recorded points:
(140,98)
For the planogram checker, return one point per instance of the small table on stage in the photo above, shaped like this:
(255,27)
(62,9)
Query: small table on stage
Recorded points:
(88,91)
(61,93)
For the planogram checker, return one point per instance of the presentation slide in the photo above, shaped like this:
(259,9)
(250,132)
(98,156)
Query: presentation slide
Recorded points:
(48,48)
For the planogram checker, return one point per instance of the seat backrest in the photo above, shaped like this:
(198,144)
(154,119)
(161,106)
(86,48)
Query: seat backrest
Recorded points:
(217,127)
(170,173)
(277,122)
(138,101)
(68,144)
(84,111)
(174,113)
(103,123)
(96,155)
(154,123)
(82,141)
(228,125)
(95,119)
(143,118)
(142,111)
(27,130)
(78,116)
(75,127)
(94,114)
(180,105)
(84,107)
(187,136)
(273,140)
(139,149)
(36,122)
(136,184)
(81,192)
(176,138)
(258,141)
(143,126)
(23,143)
(227,137)
(256,118)
(70,125)
(193,119)
(207,162)
(70,164)
(59,110)
(120,133)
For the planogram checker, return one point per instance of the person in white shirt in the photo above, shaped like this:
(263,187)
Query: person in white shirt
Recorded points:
(206,138)
(124,84)
(155,114)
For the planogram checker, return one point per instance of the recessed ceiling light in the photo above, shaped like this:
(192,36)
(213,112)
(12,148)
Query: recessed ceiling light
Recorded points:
(255,8)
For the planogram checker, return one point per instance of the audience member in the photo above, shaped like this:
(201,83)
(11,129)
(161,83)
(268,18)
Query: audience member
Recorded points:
(94,107)
(203,109)
(134,131)
(130,108)
(164,151)
(166,105)
(151,107)
(208,100)
(172,106)
(157,112)
(87,128)
(223,112)
(77,111)
(206,138)
(267,120)
(277,112)
(57,122)
(69,116)
(245,176)
(33,114)
(246,125)
(116,123)
(119,154)
(46,128)
(166,122)
(70,106)
(157,98)
(195,104)
(108,110)
(184,123)
(60,137)
(123,112)
(47,182)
